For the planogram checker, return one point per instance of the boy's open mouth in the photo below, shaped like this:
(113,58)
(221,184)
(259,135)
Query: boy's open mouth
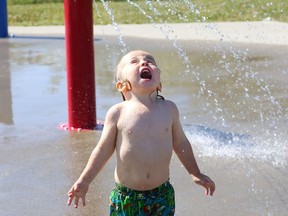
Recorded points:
(145,74)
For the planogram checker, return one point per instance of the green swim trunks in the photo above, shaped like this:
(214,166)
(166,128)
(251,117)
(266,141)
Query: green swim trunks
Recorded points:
(128,202)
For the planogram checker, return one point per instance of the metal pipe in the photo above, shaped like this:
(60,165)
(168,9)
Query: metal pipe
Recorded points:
(3,19)
(80,63)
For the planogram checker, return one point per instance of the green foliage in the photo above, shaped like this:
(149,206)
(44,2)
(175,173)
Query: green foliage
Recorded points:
(17,2)
(43,14)
(25,2)
(39,12)
(245,10)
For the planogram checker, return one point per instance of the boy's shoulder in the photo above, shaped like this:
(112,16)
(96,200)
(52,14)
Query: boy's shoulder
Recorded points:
(115,110)
(116,107)
(171,107)
(169,104)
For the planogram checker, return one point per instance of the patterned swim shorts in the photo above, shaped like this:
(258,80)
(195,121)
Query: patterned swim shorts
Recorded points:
(128,202)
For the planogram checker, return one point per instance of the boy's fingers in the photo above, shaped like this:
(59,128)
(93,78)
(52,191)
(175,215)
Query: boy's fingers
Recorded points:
(76,202)
(69,201)
(208,185)
(206,190)
(211,187)
(71,196)
(212,191)
(83,201)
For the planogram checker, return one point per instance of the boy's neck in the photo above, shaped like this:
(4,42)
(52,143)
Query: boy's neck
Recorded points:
(145,99)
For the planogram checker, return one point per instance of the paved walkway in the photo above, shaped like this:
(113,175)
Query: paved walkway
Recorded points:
(264,32)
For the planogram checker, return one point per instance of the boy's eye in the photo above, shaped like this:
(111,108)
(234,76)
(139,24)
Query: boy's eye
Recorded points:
(151,61)
(133,61)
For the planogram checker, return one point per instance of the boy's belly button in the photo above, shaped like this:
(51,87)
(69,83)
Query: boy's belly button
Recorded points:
(148,175)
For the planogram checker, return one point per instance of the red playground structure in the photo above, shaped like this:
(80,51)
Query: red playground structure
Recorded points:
(80,64)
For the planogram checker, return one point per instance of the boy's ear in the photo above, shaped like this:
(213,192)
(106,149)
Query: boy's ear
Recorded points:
(128,85)
(123,86)
(120,86)
(159,88)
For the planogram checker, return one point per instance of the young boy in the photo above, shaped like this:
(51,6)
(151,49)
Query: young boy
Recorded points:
(144,130)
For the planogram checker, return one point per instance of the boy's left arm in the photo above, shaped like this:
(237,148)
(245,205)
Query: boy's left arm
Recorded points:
(183,149)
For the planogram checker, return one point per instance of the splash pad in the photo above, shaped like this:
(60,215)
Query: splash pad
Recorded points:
(233,104)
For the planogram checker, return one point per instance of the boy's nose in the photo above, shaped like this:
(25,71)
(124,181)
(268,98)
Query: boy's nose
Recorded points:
(144,63)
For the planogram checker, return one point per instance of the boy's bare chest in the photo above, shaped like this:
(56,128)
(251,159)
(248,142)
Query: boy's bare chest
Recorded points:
(145,135)
(146,122)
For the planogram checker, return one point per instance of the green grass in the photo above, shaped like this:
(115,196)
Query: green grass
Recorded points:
(37,12)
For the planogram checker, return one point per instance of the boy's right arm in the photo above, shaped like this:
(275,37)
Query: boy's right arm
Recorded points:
(100,155)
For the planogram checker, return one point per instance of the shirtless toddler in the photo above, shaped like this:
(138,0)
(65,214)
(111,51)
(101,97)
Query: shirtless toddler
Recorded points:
(143,130)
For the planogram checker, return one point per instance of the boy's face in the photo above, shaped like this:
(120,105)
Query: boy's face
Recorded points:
(140,69)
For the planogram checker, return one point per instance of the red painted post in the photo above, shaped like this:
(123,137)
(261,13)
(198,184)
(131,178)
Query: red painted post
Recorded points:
(80,63)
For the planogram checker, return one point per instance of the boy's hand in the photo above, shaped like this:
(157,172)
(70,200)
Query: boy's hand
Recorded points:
(77,191)
(206,182)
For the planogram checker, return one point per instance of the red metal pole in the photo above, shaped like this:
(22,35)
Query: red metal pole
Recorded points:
(80,63)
